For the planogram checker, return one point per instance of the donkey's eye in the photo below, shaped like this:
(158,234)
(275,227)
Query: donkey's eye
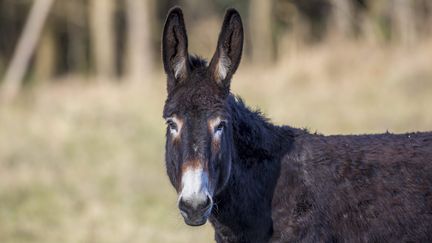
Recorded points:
(172,125)
(220,127)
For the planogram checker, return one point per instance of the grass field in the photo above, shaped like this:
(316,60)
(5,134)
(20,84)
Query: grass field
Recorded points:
(81,162)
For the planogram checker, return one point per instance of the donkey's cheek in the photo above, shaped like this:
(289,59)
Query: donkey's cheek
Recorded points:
(172,174)
(173,155)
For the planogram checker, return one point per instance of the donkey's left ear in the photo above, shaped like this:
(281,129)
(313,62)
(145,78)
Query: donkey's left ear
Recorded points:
(229,49)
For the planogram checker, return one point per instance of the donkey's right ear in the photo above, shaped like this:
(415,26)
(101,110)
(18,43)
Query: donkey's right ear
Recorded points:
(175,48)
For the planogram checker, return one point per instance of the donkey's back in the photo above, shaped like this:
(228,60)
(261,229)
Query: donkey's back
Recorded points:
(363,188)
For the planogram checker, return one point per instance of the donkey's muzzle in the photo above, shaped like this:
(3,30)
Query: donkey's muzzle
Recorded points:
(195,213)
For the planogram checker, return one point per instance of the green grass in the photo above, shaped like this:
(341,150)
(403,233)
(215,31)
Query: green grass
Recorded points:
(84,163)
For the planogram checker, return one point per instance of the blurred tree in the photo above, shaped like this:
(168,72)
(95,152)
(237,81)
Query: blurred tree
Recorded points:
(75,24)
(379,20)
(428,15)
(260,23)
(312,19)
(423,14)
(368,23)
(45,57)
(102,37)
(404,17)
(25,48)
(139,63)
(343,17)
(12,19)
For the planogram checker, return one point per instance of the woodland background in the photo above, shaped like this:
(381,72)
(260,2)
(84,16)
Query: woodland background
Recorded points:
(81,133)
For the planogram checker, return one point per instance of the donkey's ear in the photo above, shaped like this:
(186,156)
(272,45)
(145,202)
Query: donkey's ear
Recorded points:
(229,49)
(175,48)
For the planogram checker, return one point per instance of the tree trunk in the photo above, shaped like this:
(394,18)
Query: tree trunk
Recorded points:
(76,24)
(25,48)
(102,38)
(404,17)
(45,58)
(139,63)
(260,14)
(429,22)
(343,17)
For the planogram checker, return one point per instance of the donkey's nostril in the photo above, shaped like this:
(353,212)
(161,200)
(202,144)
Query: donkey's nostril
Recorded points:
(207,203)
(183,206)
(194,205)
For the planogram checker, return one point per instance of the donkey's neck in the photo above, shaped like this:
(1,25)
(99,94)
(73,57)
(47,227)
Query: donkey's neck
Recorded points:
(243,208)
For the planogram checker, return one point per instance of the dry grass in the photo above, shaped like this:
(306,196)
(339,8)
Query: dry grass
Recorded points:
(84,163)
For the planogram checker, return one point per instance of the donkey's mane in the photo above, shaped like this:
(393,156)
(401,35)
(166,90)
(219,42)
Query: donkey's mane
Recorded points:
(256,136)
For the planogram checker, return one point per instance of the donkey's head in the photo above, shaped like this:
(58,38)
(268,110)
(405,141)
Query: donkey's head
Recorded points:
(199,131)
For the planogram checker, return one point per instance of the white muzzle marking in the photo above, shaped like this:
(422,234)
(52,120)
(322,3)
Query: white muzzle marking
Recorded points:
(194,187)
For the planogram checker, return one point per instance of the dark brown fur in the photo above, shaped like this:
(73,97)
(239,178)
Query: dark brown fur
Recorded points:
(368,188)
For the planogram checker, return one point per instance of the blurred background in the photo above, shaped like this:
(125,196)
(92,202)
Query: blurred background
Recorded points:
(82,90)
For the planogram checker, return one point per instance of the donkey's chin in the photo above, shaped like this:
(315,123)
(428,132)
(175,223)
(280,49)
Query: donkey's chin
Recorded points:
(196,219)
(196,222)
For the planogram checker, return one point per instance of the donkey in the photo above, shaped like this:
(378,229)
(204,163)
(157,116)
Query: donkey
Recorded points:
(258,182)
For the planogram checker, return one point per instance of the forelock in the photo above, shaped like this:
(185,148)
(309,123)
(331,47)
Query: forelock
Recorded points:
(195,97)
(196,93)
(197,62)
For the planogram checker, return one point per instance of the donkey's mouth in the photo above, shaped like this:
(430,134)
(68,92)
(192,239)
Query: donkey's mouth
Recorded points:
(196,222)
(195,219)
